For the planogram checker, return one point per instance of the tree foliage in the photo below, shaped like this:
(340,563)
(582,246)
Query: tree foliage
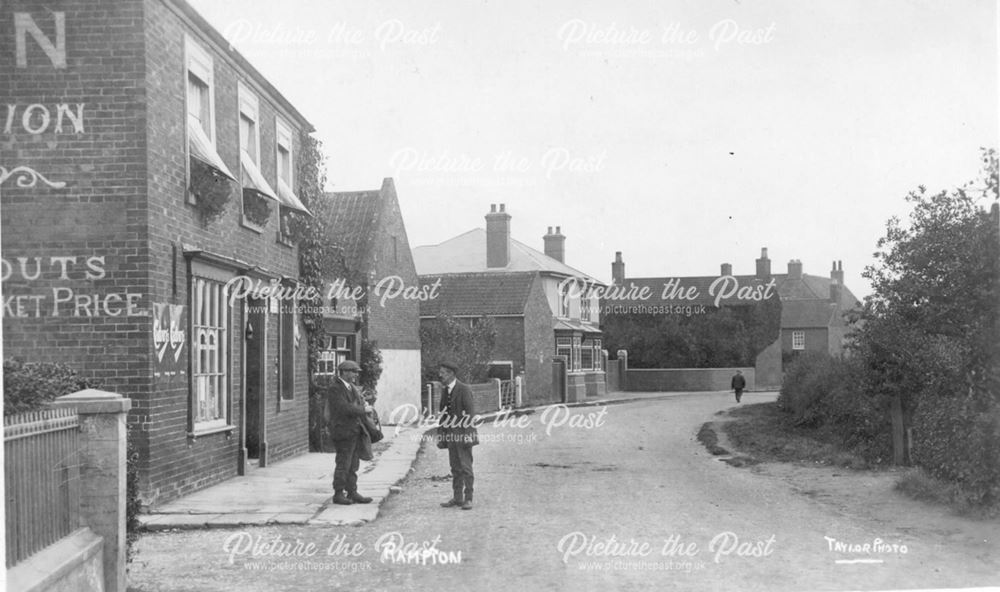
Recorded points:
(727,337)
(470,345)
(930,331)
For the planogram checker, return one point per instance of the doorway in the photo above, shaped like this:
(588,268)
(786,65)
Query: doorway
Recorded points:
(255,379)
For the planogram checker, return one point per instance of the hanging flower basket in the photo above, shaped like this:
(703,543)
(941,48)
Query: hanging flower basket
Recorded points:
(293,225)
(211,190)
(256,207)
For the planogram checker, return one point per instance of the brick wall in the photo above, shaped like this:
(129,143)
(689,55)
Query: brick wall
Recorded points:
(685,379)
(84,264)
(539,347)
(396,325)
(74,257)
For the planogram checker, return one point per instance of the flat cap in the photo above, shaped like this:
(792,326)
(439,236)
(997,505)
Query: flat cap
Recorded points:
(449,365)
(348,365)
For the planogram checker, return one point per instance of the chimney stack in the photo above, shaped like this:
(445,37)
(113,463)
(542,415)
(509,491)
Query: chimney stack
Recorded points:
(618,269)
(795,269)
(836,281)
(727,269)
(763,265)
(555,245)
(497,237)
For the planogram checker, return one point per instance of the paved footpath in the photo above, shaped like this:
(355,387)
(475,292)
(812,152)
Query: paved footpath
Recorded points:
(299,490)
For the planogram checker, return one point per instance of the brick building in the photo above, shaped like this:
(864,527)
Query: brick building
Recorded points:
(539,316)
(145,165)
(372,234)
(813,308)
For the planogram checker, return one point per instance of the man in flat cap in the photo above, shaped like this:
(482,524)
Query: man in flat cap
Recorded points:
(343,411)
(458,432)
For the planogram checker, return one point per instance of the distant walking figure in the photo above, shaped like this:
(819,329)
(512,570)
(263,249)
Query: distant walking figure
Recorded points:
(739,383)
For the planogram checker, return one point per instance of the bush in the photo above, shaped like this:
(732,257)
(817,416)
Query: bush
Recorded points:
(958,440)
(809,381)
(29,386)
(825,391)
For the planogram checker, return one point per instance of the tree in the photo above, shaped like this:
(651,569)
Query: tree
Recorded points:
(467,343)
(729,336)
(928,340)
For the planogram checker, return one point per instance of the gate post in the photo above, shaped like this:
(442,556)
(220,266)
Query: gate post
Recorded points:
(103,442)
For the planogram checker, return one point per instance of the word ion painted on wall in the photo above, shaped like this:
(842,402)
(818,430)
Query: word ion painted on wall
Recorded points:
(62,300)
(37,118)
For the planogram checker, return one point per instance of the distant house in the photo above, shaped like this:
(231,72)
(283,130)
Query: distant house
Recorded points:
(813,307)
(370,229)
(541,321)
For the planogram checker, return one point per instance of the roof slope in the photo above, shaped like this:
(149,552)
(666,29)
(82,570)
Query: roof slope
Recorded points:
(478,293)
(354,216)
(466,253)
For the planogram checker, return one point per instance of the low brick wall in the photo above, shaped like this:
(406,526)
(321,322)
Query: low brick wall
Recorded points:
(684,379)
(484,396)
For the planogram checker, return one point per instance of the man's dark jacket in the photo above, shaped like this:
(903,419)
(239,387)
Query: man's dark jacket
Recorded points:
(457,413)
(342,410)
(739,383)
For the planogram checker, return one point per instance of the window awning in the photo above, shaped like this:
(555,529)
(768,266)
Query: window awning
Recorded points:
(572,325)
(288,198)
(253,179)
(201,148)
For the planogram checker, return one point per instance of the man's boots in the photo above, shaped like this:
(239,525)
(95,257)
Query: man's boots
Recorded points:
(340,498)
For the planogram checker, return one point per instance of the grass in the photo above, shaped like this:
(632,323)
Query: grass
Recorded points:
(766,434)
(708,437)
(917,484)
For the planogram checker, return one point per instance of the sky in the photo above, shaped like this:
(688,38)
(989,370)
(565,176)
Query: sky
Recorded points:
(684,134)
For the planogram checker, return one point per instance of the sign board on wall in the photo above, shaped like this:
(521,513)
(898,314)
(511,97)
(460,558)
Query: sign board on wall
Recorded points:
(169,341)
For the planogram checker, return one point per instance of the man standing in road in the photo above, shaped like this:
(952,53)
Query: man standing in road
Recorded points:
(343,412)
(738,383)
(458,432)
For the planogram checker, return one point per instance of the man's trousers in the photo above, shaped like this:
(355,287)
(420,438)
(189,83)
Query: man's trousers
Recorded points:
(460,457)
(347,461)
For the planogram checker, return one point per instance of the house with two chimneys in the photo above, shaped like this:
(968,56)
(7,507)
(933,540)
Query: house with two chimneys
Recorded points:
(547,331)
(813,308)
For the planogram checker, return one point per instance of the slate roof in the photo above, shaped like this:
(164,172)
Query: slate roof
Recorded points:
(354,215)
(478,293)
(466,253)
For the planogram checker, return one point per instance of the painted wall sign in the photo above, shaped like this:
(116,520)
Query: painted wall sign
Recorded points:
(25,25)
(169,340)
(62,300)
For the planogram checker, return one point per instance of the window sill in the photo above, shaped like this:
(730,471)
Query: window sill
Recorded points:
(246,223)
(286,404)
(208,431)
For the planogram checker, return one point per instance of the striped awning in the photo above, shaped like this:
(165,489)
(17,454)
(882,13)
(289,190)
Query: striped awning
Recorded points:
(288,198)
(202,149)
(253,179)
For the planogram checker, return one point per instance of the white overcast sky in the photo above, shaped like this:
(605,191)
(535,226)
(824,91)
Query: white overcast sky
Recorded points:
(641,127)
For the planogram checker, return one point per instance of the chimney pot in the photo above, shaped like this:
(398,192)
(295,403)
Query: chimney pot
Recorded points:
(502,206)
(727,269)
